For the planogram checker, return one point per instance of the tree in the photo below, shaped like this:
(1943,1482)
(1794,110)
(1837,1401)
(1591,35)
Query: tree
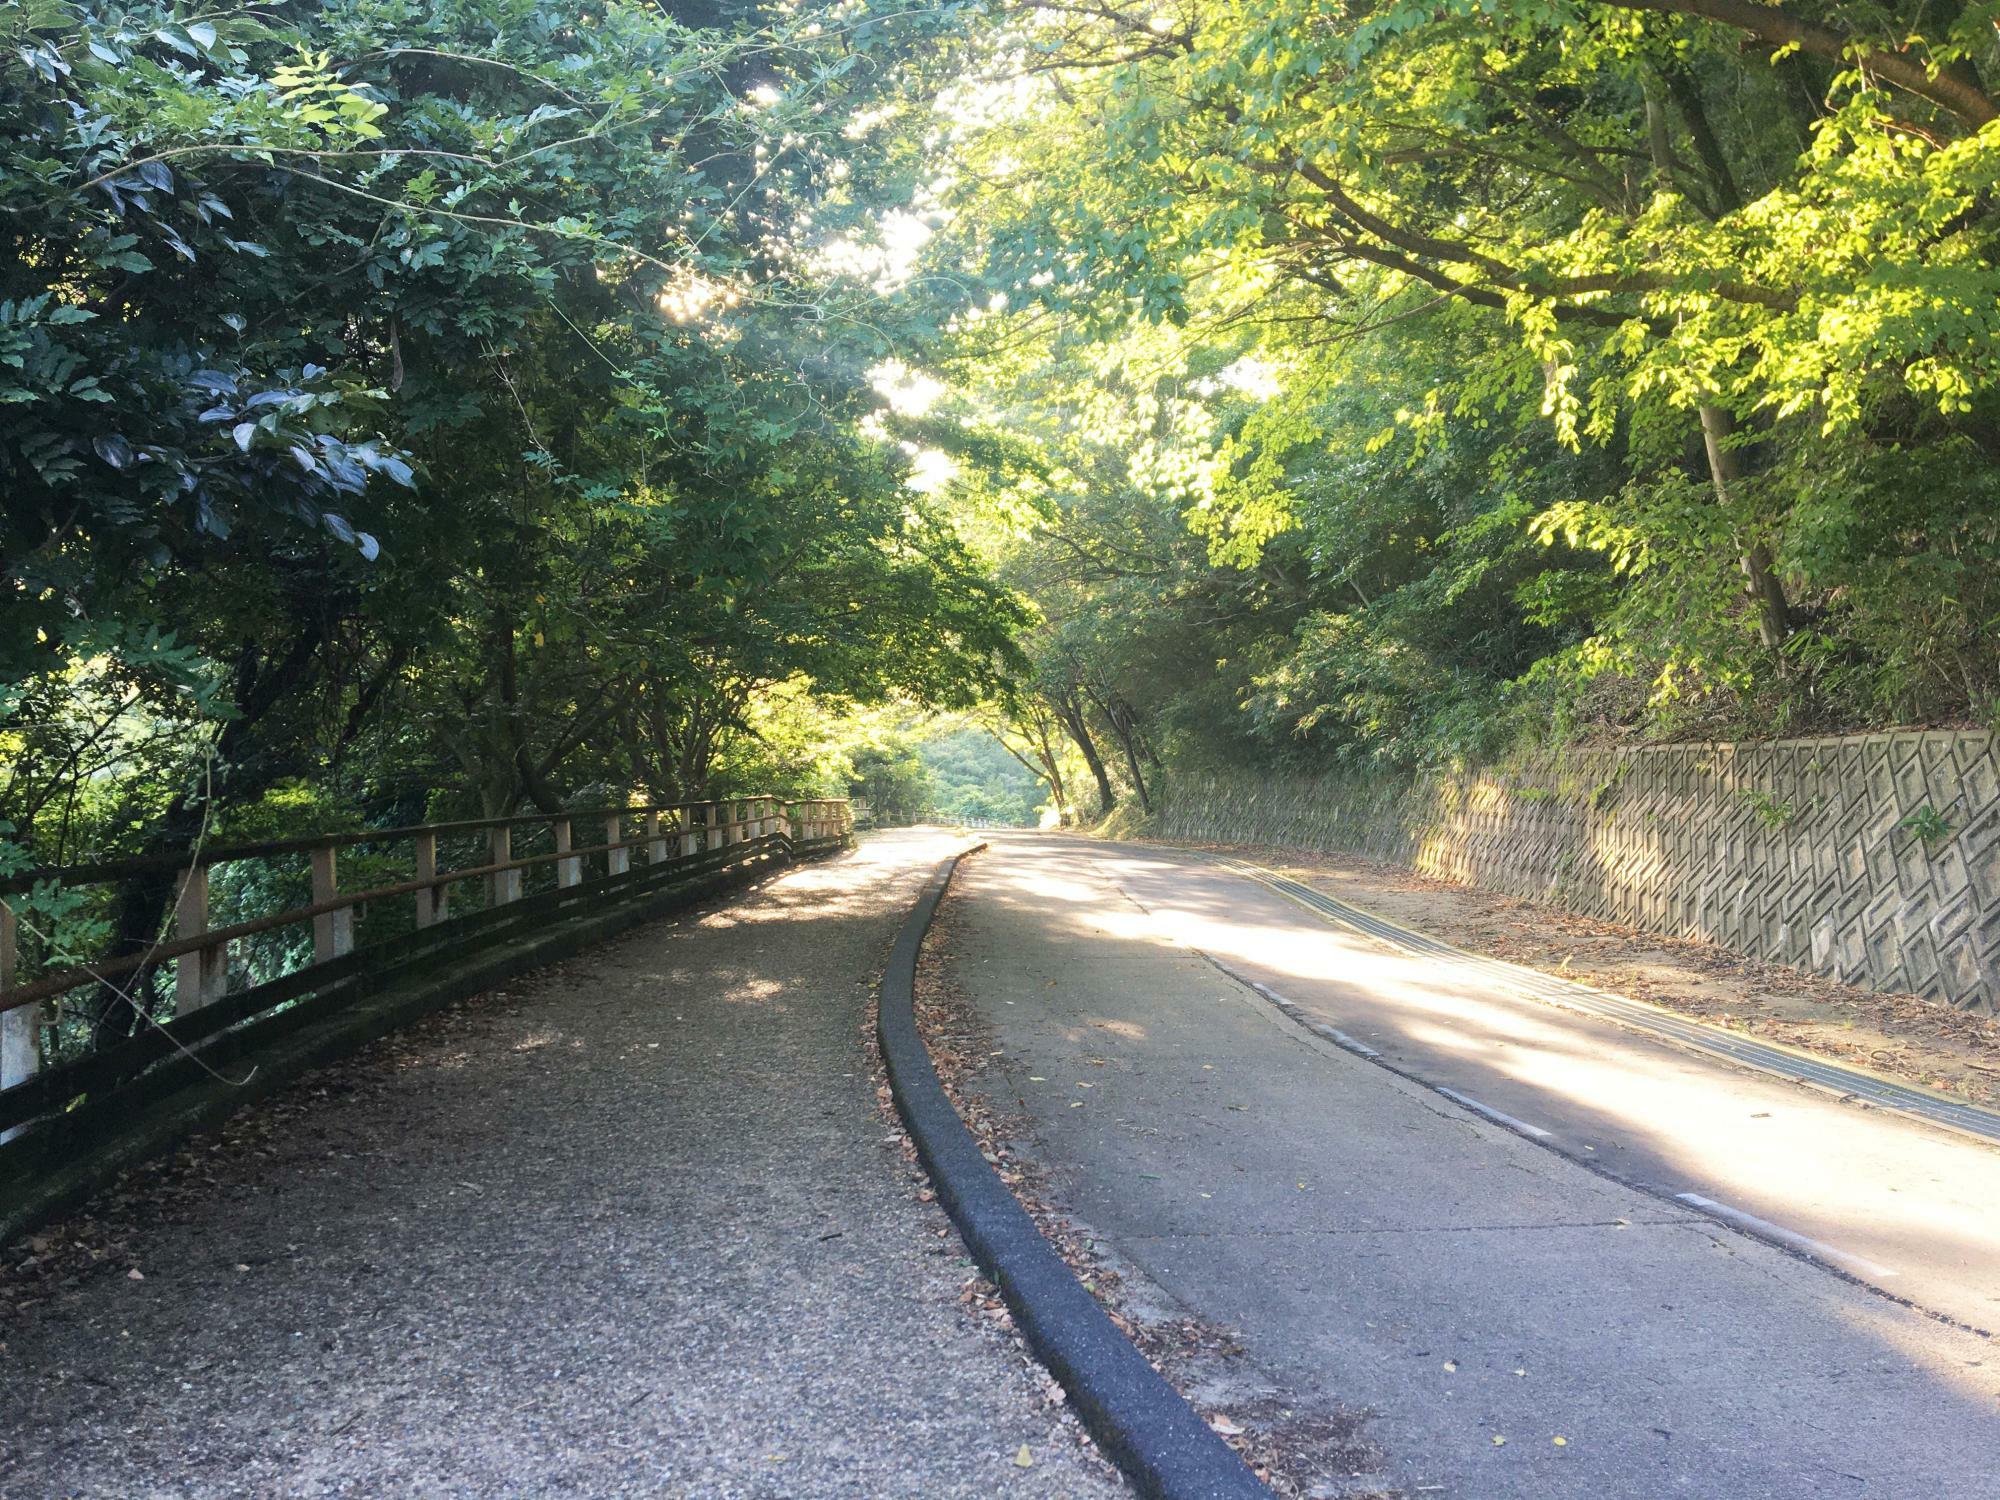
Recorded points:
(1630,364)
(444,409)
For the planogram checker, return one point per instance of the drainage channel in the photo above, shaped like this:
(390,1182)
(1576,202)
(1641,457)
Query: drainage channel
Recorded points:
(1880,1092)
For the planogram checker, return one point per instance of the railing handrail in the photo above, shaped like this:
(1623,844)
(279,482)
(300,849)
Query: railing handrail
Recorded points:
(683,842)
(14,997)
(166,864)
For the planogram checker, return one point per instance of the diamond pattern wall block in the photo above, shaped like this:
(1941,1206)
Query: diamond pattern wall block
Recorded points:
(1873,858)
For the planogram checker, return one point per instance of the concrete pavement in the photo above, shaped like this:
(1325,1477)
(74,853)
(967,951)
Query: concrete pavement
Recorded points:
(1380,1246)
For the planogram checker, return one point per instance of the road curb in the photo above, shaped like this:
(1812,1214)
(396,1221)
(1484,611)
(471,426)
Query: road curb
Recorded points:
(1145,1426)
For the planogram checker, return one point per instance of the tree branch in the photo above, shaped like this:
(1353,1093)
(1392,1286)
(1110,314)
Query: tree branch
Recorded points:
(1947,88)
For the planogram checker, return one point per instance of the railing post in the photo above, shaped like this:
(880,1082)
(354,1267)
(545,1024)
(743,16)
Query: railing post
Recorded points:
(431,900)
(333,931)
(21,1028)
(568,871)
(190,920)
(503,885)
(691,839)
(203,975)
(616,861)
(712,817)
(656,847)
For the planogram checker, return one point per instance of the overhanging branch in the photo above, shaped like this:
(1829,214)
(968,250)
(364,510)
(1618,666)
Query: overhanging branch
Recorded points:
(1948,88)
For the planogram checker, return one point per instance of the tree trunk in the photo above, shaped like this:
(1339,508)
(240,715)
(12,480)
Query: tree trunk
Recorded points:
(1053,763)
(1722,181)
(1069,712)
(1118,714)
(1718,427)
(532,782)
(1132,765)
(1042,772)
(1760,582)
(240,770)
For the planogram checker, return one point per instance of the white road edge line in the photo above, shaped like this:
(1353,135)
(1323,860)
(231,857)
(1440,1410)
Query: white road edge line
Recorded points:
(1492,1114)
(1544,989)
(1341,1039)
(1332,1033)
(1818,1249)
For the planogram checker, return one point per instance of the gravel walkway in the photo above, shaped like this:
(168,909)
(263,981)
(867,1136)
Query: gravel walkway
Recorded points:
(633,1228)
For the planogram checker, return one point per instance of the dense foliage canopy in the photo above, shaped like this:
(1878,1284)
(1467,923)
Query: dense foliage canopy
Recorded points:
(445,405)
(413,407)
(1622,365)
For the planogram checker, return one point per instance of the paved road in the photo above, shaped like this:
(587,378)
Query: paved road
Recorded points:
(1380,1246)
(634,1230)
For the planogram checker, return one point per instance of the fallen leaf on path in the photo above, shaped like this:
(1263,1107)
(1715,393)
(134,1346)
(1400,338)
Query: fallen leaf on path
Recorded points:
(1023,1459)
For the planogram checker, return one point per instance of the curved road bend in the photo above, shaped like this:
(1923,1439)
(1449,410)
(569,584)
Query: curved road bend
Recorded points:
(1382,1246)
(633,1229)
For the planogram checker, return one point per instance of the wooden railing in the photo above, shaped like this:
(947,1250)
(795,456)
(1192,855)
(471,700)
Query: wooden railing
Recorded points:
(626,849)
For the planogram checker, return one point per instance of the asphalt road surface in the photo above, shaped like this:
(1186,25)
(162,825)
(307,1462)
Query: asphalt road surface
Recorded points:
(1545,1252)
(635,1227)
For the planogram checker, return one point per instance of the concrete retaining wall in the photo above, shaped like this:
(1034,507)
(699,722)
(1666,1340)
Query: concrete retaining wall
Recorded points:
(1872,858)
